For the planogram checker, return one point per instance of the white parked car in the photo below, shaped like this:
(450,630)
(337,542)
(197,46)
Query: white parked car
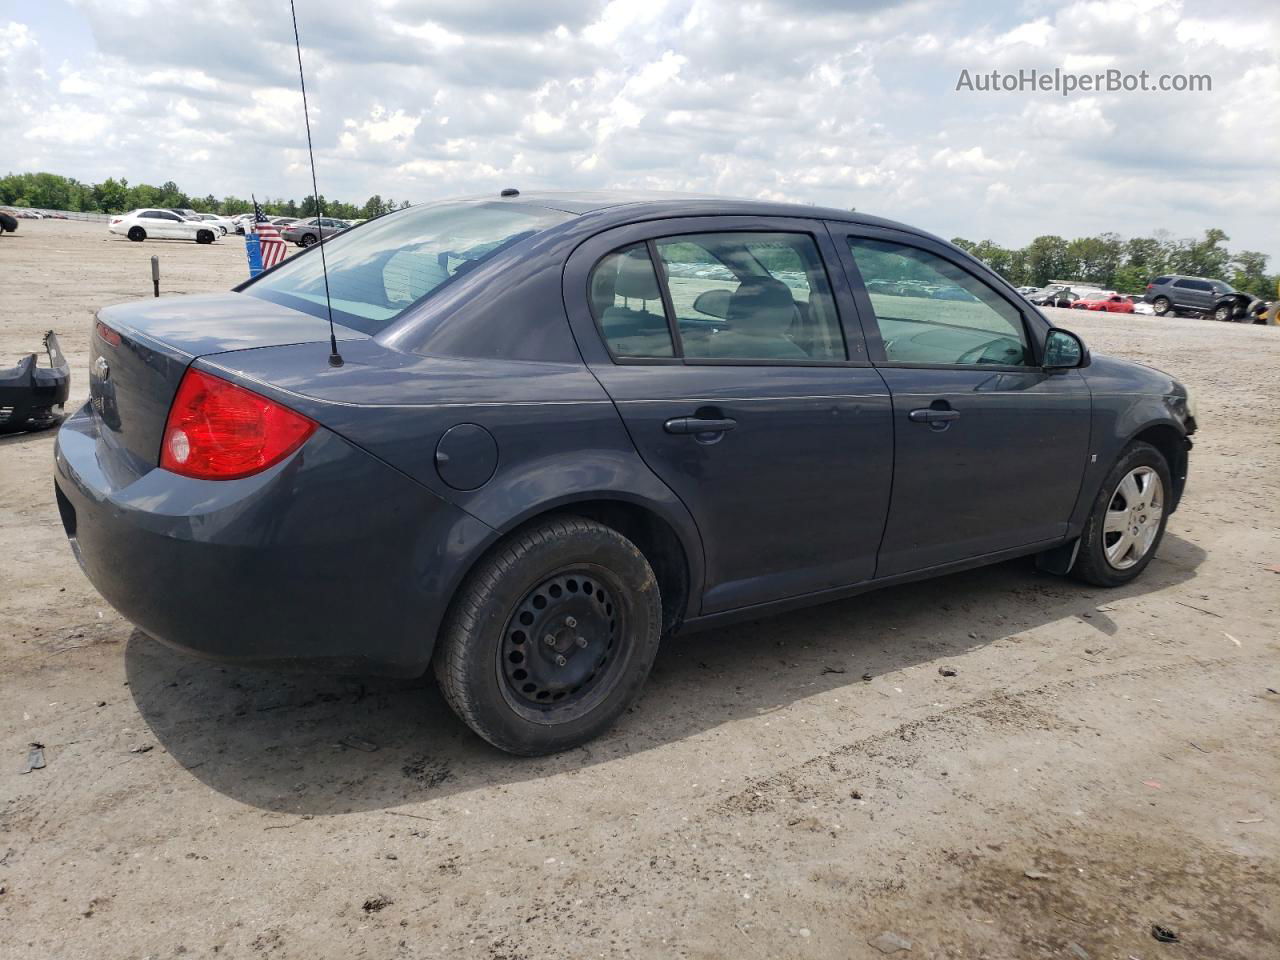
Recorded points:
(225,224)
(162,224)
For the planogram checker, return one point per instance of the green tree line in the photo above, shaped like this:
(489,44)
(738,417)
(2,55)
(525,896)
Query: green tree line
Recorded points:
(1129,265)
(50,191)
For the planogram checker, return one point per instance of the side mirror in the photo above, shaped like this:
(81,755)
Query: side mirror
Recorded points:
(1063,350)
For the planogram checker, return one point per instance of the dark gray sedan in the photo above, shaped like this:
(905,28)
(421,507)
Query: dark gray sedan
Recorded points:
(554,429)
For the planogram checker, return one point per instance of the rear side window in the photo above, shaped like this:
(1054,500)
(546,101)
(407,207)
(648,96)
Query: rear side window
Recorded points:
(627,303)
(1194,284)
(930,311)
(1160,281)
(734,296)
(751,296)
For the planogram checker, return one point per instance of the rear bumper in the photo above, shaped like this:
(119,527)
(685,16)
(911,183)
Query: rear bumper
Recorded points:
(329,559)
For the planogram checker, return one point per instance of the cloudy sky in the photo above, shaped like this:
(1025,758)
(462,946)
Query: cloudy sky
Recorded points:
(847,103)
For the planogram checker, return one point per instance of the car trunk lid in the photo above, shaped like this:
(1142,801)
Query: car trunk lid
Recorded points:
(139,352)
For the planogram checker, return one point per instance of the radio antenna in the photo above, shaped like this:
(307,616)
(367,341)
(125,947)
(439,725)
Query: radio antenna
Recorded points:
(335,358)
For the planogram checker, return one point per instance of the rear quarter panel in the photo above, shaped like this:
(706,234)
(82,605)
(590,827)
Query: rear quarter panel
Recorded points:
(559,437)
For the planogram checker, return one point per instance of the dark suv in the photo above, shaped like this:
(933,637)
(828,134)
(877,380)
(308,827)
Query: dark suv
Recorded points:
(1173,293)
(550,430)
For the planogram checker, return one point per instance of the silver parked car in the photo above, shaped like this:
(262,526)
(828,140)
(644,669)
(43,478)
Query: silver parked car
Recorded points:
(306,232)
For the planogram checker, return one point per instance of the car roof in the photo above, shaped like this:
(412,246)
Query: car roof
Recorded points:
(628,205)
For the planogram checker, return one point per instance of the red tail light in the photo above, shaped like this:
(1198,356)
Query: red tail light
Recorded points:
(219,431)
(1150,285)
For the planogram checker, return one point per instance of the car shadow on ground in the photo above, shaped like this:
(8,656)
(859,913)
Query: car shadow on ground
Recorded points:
(276,741)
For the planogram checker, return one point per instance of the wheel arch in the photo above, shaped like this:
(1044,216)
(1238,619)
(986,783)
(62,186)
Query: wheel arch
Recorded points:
(676,562)
(1146,422)
(1171,441)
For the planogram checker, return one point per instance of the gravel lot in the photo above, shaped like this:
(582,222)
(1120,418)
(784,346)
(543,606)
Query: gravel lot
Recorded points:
(1101,761)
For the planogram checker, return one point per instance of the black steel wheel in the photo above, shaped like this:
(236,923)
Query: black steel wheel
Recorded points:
(557,655)
(551,636)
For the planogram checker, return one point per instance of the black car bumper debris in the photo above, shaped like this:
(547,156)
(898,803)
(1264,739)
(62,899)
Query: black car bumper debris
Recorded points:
(32,397)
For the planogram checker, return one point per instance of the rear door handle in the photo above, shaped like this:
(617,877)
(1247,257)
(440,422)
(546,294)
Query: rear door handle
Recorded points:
(928,415)
(695,425)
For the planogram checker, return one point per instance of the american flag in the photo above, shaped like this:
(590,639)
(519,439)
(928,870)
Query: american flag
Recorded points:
(273,247)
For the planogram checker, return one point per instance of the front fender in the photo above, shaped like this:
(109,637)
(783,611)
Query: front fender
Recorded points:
(1118,422)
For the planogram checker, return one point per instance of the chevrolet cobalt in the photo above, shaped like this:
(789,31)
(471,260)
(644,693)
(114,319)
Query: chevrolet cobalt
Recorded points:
(550,430)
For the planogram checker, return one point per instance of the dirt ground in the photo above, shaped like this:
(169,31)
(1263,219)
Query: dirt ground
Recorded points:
(1101,760)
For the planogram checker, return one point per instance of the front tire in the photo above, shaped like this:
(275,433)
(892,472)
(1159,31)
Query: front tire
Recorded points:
(1128,518)
(1224,312)
(204,236)
(137,234)
(1161,306)
(551,637)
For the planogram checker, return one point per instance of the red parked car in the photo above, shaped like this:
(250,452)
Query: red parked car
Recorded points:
(1110,302)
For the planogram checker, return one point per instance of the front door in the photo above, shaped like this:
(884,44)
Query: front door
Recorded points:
(724,353)
(990,449)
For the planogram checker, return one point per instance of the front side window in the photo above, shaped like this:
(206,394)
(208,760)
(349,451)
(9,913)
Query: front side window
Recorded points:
(931,311)
(378,272)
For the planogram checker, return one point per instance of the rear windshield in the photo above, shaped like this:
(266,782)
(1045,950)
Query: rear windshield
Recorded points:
(380,269)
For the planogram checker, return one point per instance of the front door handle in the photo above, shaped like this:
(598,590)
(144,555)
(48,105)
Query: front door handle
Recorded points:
(697,425)
(928,415)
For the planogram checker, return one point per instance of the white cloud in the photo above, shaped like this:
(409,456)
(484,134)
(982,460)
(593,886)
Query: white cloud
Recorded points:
(839,102)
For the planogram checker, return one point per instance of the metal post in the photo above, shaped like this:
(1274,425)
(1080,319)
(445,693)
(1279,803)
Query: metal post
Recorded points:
(155,274)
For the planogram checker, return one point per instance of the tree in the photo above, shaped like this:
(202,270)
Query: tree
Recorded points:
(111,196)
(373,207)
(1249,274)
(1047,259)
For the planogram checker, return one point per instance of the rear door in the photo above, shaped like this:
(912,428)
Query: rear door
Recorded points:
(1193,293)
(990,449)
(721,342)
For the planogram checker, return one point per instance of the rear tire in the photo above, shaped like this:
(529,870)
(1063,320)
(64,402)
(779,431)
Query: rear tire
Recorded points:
(1124,511)
(137,234)
(1161,306)
(551,637)
(306,240)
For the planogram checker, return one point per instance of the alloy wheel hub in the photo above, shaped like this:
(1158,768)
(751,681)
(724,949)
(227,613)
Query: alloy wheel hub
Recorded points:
(1133,517)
